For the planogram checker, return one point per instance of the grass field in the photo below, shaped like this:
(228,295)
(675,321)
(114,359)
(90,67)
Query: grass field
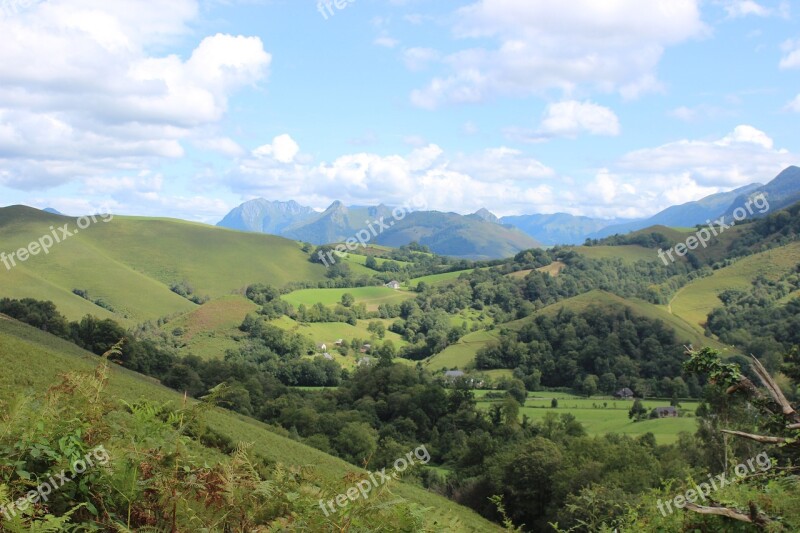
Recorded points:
(461,355)
(434,279)
(696,300)
(370,296)
(629,253)
(554,269)
(32,361)
(603,415)
(212,328)
(329,332)
(130,262)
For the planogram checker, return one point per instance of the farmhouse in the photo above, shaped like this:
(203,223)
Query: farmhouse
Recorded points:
(394,284)
(664,412)
(451,375)
(322,347)
(624,394)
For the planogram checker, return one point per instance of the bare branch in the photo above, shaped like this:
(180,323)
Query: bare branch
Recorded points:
(774,390)
(758,438)
(754,517)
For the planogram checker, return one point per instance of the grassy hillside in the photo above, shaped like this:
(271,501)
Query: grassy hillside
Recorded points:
(33,360)
(212,328)
(683,330)
(461,355)
(372,297)
(695,301)
(130,262)
(628,253)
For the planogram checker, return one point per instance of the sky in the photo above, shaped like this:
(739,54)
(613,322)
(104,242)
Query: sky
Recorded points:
(185,108)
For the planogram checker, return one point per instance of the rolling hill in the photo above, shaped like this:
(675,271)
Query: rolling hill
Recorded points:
(129,263)
(696,300)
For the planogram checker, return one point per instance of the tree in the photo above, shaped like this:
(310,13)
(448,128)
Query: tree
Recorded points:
(347,299)
(516,390)
(554,403)
(590,385)
(371,262)
(357,442)
(637,411)
(377,328)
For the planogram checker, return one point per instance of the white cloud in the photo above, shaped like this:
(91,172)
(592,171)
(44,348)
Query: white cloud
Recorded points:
(699,112)
(792,58)
(744,8)
(606,46)
(499,176)
(744,156)
(386,41)
(82,95)
(283,149)
(417,59)
(570,118)
(794,105)
(222,145)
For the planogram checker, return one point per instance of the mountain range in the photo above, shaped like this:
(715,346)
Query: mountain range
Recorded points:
(482,235)
(476,236)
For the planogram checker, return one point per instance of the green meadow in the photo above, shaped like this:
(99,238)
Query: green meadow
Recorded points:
(627,253)
(601,415)
(369,296)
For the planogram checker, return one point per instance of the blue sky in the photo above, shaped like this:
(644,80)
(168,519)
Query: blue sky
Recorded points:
(185,109)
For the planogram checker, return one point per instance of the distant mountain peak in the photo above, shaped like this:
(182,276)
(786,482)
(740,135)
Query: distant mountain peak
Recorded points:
(52,211)
(336,206)
(485,214)
(266,216)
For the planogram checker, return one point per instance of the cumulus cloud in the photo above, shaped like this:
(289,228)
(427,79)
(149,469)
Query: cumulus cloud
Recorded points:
(82,95)
(794,105)
(571,118)
(605,46)
(745,155)
(792,58)
(283,149)
(500,176)
(746,8)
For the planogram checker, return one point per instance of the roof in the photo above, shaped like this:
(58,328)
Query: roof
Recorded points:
(454,373)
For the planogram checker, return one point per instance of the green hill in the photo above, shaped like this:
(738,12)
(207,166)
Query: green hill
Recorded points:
(628,253)
(33,360)
(696,300)
(130,263)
